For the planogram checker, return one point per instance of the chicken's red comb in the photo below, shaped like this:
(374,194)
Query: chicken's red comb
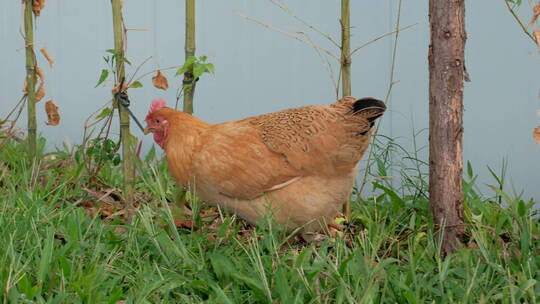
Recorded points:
(157,104)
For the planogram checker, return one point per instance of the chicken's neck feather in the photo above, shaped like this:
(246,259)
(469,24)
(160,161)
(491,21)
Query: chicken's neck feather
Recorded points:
(182,142)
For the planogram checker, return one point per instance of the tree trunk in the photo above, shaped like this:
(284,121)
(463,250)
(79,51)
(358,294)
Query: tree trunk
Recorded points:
(346,68)
(30,80)
(189,82)
(125,135)
(446,75)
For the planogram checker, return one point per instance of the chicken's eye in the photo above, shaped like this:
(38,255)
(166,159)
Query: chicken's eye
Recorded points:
(157,120)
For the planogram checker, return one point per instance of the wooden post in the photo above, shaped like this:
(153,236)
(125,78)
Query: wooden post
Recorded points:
(30,79)
(446,75)
(125,135)
(189,82)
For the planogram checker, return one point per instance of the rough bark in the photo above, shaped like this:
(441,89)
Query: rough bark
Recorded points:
(446,76)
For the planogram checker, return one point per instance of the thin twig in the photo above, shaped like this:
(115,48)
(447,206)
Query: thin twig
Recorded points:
(523,27)
(390,86)
(137,70)
(325,61)
(313,28)
(288,35)
(382,36)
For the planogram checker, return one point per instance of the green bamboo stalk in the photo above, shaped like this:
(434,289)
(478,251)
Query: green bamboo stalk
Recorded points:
(30,79)
(346,67)
(346,47)
(189,82)
(125,136)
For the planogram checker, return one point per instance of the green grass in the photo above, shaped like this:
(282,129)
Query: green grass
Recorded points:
(56,247)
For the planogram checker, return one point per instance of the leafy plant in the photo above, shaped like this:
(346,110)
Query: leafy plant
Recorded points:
(195,67)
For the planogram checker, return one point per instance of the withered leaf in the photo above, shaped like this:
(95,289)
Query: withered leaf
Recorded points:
(52,113)
(160,81)
(47,56)
(536,13)
(117,86)
(536,34)
(536,134)
(40,93)
(37,6)
(40,75)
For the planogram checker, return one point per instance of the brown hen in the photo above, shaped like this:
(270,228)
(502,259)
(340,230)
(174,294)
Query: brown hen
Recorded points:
(298,164)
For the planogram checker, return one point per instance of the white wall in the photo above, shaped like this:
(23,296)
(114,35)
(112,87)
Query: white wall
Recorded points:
(259,71)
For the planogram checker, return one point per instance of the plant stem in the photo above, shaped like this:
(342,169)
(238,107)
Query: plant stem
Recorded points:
(125,136)
(189,87)
(346,47)
(30,79)
(346,68)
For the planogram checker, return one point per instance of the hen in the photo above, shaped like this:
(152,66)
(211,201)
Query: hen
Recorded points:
(297,164)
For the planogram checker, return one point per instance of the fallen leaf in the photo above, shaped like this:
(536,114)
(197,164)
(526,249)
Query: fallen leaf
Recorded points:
(160,81)
(183,224)
(52,113)
(47,56)
(40,93)
(536,134)
(536,13)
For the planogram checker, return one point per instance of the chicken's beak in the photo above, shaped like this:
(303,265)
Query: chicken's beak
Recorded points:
(147,130)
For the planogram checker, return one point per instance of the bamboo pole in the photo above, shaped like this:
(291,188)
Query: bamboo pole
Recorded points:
(346,68)
(189,82)
(30,79)
(125,136)
(346,47)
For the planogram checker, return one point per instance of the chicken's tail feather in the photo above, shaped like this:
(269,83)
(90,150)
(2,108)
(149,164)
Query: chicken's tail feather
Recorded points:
(370,107)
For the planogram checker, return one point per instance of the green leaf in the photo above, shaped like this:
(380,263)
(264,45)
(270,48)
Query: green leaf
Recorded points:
(469,169)
(136,84)
(522,208)
(210,68)
(112,51)
(106,112)
(102,77)
(198,70)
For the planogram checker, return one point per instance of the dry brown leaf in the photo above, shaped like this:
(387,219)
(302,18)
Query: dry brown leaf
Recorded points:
(52,113)
(536,13)
(47,56)
(37,6)
(122,3)
(160,81)
(115,89)
(24,90)
(536,34)
(40,93)
(536,134)
(40,75)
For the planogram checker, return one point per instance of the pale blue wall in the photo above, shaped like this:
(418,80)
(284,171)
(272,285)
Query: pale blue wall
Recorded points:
(260,71)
